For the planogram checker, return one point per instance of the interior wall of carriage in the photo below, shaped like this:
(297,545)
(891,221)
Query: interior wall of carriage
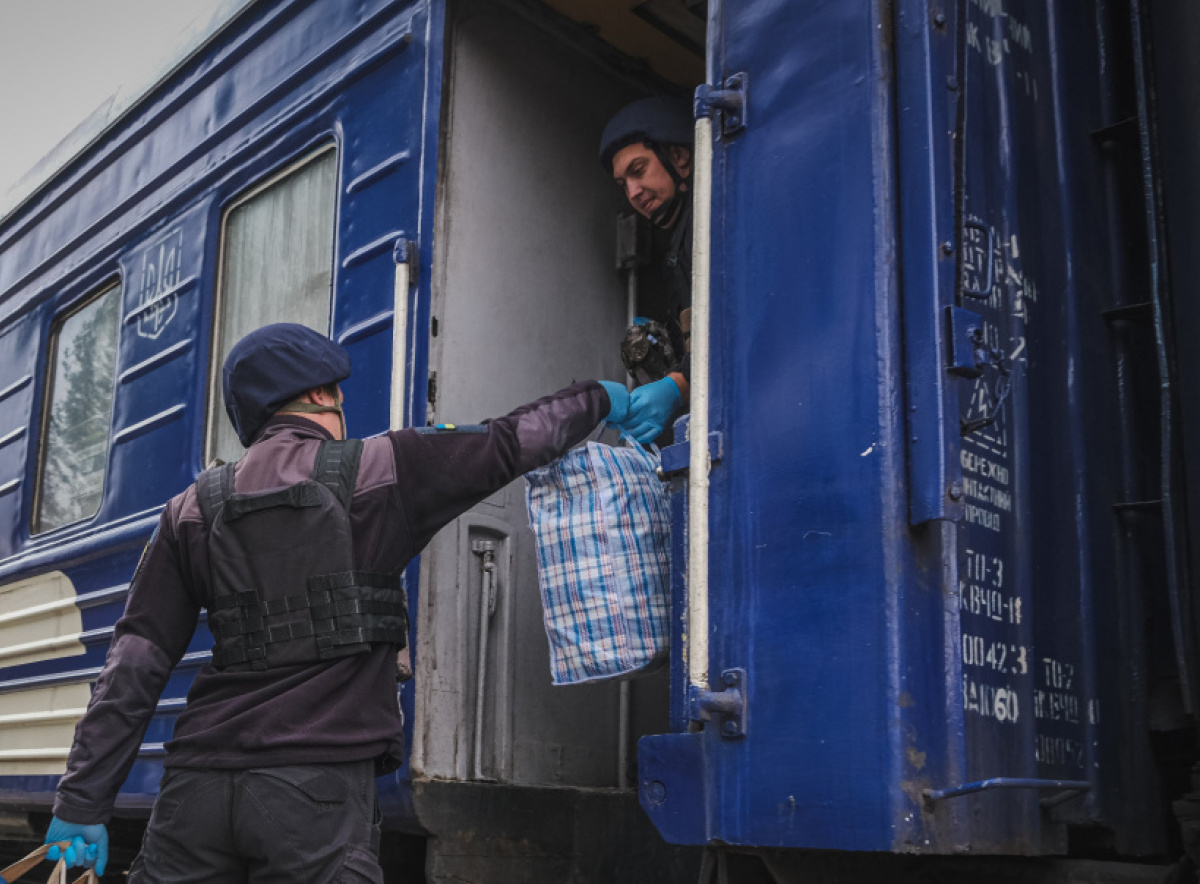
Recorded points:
(526,299)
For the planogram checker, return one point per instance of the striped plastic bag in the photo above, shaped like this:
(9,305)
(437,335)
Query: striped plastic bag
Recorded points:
(603,526)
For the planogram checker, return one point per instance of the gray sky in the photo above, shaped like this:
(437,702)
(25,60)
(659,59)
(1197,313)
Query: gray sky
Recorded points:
(60,59)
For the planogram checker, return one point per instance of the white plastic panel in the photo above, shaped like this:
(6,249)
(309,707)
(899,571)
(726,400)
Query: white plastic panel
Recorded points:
(39,620)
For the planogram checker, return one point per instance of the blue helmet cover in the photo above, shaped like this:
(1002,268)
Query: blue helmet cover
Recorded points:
(659,120)
(273,365)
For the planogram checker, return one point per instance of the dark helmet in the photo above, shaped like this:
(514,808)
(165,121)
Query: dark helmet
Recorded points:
(660,121)
(273,365)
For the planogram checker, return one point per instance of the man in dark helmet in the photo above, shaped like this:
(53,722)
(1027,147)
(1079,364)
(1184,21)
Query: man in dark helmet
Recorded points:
(647,147)
(296,553)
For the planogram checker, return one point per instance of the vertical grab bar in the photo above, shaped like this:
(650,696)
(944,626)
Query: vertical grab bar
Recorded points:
(486,550)
(624,697)
(403,253)
(699,464)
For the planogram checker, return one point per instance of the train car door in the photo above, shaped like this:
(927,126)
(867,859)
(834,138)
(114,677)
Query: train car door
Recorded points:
(900,638)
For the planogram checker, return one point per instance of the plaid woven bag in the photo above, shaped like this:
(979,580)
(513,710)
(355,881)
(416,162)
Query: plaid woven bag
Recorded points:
(603,526)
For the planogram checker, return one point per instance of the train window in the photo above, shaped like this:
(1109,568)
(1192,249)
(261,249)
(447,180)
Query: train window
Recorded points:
(75,428)
(276,266)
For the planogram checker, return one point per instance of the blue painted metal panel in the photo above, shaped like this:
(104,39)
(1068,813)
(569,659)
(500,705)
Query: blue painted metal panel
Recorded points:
(805,580)
(144,206)
(1038,488)
(20,387)
(995,649)
(912,547)
(927,111)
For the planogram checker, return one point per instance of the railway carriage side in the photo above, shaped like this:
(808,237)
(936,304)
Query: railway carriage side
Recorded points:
(296,167)
(945,604)
(269,177)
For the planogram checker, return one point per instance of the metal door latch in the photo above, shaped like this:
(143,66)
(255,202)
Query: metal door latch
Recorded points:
(486,550)
(970,355)
(677,458)
(727,705)
(965,337)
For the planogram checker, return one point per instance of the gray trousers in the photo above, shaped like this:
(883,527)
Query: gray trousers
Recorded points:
(310,824)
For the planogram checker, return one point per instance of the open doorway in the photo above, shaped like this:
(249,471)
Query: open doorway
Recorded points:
(528,297)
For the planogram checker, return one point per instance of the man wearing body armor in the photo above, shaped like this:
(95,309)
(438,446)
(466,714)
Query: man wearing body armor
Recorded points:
(296,552)
(647,148)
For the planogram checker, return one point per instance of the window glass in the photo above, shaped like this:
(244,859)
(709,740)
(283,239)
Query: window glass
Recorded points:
(76,427)
(276,266)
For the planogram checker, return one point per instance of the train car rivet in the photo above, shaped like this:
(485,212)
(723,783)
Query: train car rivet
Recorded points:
(656,792)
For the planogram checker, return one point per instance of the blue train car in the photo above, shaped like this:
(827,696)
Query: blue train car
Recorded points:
(933,607)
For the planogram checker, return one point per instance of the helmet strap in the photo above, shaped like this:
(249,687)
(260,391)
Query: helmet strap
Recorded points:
(666,214)
(297,406)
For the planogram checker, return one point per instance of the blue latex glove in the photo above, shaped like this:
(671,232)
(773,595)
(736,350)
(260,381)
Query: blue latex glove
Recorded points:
(618,398)
(650,407)
(89,844)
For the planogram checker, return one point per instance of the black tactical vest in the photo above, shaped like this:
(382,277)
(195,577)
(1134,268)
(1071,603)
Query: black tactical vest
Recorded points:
(282,563)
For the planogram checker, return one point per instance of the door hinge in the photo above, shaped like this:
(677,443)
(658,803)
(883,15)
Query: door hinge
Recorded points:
(727,103)
(728,706)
